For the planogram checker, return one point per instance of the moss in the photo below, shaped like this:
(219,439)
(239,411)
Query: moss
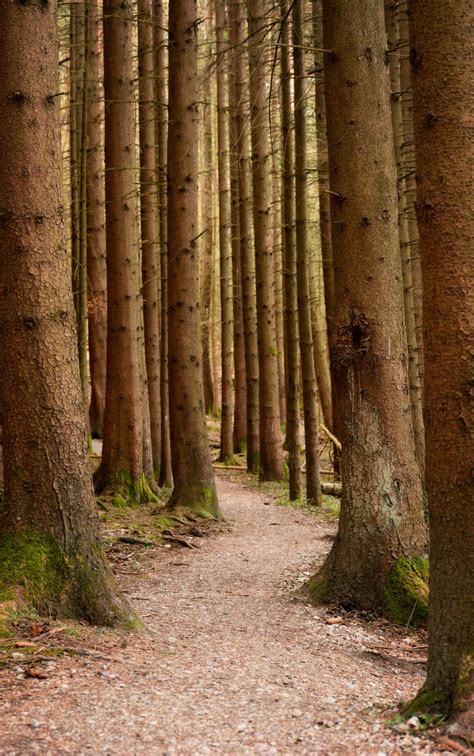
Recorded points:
(317,588)
(195,502)
(36,564)
(125,491)
(405,592)
(428,701)
(120,501)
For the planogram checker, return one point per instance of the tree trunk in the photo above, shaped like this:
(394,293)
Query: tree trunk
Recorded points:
(149,222)
(225,248)
(123,419)
(440,52)
(166,476)
(49,529)
(192,470)
(271,457)
(240,375)
(391,12)
(310,408)
(95,203)
(247,258)
(289,267)
(381,508)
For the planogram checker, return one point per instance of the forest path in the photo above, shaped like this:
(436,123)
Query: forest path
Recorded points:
(233,663)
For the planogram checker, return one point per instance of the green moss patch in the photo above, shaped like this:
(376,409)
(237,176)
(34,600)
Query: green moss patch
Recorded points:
(405,592)
(35,563)
(317,589)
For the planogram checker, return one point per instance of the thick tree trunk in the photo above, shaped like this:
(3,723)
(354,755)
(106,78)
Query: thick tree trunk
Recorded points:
(166,476)
(381,509)
(49,529)
(310,408)
(149,222)
(237,28)
(271,457)
(123,420)
(192,470)
(289,267)
(225,248)
(440,51)
(95,202)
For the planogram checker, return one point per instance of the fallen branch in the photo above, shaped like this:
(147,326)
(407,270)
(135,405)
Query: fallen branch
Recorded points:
(136,541)
(331,489)
(328,433)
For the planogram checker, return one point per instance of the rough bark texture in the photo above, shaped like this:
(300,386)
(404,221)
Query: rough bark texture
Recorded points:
(225,248)
(123,419)
(394,43)
(149,222)
(240,376)
(440,40)
(237,28)
(308,373)
(271,457)
(48,515)
(95,202)
(166,476)
(289,268)
(192,470)
(381,508)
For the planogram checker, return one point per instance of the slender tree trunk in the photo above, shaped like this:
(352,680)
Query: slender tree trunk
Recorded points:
(149,222)
(277,270)
(289,267)
(166,476)
(310,408)
(192,470)
(207,240)
(247,258)
(391,12)
(381,508)
(48,516)
(123,419)
(95,203)
(225,247)
(440,52)
(271,457)
(240,376)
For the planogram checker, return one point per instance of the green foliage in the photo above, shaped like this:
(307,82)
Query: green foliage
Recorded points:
(36,564)
(317,588)
(405,591)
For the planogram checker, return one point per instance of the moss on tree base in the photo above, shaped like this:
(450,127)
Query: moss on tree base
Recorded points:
(34,568)
(405,592)
(194,502)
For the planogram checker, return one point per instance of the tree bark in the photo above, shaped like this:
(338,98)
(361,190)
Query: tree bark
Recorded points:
(192,470)
(166,476)
(123,419)
(271,457)
(225,248)
(310,408)
(49,529)
(440,44)
(289,267)
(95,203)
(247,258)
(149,222)
(381,508)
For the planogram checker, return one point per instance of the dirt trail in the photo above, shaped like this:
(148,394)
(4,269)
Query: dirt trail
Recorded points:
(232,665)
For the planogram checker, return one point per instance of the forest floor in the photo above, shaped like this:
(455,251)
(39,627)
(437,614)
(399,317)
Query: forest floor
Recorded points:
(232,660)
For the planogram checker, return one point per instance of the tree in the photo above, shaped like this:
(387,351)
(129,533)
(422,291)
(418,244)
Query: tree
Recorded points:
(440,44)
(225,242)
(247,259)
(310,409)
(194,487)
(122,452)
(289,266)
(49,529)
(381,508)
(95,204)
(271,457)
(149,222)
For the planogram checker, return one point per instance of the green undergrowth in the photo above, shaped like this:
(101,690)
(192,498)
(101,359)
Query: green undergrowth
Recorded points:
(405,592)
(278,491)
